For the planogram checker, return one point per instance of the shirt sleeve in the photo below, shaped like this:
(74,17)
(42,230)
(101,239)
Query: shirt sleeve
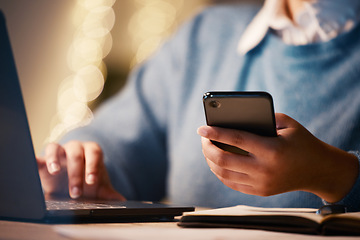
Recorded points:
(133,143)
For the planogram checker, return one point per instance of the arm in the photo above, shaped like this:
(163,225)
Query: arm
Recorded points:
(295,160)
(125,142)
(129,129)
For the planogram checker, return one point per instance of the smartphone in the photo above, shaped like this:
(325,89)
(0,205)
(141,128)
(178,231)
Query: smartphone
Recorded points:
(247,111)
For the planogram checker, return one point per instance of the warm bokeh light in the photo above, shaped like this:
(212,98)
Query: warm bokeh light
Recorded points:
(151,22)
(98,22)
(88,83)
(84,52)
(92,4)
(92,41)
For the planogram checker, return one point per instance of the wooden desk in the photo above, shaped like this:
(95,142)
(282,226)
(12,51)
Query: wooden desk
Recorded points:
(18,230)
(148,231)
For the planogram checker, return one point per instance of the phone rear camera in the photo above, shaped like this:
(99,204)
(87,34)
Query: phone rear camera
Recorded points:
(214,104)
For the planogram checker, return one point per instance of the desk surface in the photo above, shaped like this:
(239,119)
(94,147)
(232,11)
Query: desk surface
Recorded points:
(129,231)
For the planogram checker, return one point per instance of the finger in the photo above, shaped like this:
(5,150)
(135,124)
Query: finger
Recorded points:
(247,141)
(41,161)
(229,175)
(284,121)
(240,187)
(54,154)
(227,160)
(93,162)
(76,165)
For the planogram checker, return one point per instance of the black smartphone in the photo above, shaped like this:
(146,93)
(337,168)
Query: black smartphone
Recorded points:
(248,111)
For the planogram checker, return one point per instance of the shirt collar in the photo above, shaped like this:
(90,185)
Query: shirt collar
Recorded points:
(317,21)
(259,26)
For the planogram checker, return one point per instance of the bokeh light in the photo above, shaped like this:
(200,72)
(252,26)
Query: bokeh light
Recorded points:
(151,22)
(88,83)
(93,20)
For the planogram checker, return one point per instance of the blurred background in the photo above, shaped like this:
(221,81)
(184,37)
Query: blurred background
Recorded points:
(73,54)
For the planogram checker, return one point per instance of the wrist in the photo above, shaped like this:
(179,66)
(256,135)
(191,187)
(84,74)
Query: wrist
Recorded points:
(338,175)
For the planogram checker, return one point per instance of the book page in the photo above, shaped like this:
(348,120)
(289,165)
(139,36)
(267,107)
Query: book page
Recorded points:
(243,211)
(349,215)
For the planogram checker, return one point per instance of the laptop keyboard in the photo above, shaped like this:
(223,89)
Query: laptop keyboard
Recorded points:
(73,205)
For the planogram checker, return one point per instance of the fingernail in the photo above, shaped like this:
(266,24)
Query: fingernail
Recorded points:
(75,192)
(54,167)
(202,131)
(91,179)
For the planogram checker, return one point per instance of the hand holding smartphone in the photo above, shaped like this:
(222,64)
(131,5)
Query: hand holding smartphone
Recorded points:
(247,111)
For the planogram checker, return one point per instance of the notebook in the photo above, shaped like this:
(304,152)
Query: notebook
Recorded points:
(328,220)
(21,195)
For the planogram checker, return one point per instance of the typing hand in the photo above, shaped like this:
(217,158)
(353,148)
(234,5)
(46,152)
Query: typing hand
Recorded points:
(294,160)
(76,169)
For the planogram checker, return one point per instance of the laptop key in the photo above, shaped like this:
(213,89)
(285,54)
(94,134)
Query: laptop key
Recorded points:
(72,204)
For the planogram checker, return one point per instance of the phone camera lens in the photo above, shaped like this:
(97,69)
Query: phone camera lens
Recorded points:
(215,104)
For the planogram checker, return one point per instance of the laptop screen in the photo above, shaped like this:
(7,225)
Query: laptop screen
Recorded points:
(21,194)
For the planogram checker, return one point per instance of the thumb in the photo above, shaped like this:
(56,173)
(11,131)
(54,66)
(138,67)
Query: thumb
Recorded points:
(284,121)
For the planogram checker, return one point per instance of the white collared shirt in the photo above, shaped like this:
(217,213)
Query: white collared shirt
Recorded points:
(318,21)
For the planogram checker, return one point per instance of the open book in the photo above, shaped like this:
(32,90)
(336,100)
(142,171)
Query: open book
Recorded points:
(297,220)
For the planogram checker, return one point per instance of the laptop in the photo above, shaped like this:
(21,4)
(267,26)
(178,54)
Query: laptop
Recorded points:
(21,195)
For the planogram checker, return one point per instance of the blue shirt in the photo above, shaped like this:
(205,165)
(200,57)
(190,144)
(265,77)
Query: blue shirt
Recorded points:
(148,131)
